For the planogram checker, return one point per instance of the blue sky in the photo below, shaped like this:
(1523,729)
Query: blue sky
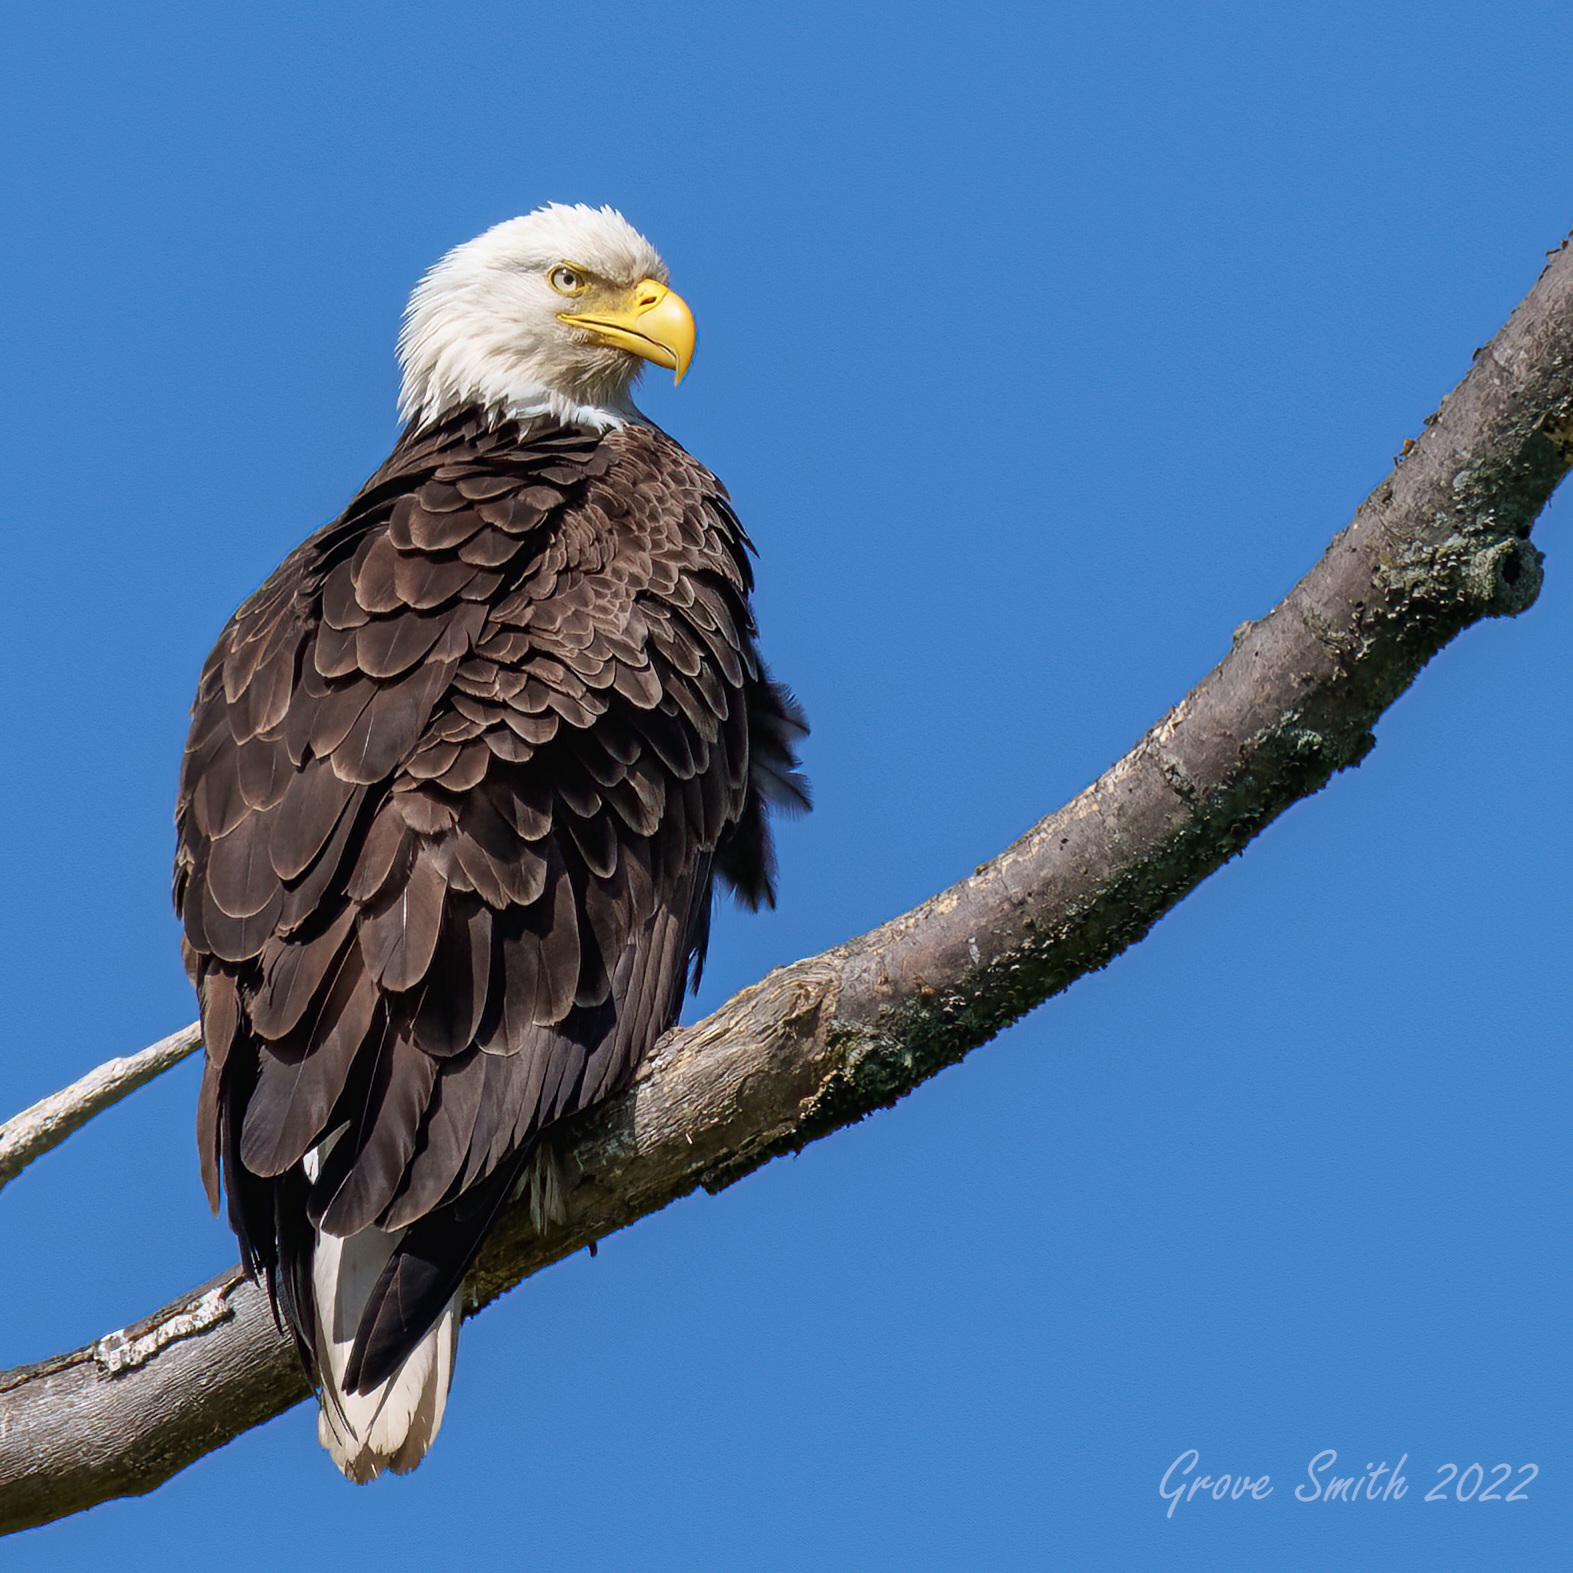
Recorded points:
(1040,347)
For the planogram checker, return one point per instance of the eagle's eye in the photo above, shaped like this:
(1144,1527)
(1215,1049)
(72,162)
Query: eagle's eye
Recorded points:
(566,280)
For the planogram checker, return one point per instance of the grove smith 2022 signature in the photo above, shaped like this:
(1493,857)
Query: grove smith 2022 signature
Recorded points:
(1184,1482)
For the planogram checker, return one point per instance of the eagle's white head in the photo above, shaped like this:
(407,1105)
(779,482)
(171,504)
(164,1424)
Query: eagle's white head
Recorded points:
(551,314)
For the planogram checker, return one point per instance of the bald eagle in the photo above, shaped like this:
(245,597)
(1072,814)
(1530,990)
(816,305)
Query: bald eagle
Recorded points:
(460,780)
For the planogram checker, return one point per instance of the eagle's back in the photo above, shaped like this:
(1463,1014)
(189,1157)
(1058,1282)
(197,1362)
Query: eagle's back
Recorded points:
(459,779)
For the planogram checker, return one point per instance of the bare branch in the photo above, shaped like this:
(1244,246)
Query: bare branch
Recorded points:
(1440,544)
(34,1131)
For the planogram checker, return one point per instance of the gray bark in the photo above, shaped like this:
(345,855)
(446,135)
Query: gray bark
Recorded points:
(1440,544)
(49,1121)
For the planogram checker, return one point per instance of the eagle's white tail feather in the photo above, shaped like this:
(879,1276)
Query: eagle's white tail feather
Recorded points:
(392,1425)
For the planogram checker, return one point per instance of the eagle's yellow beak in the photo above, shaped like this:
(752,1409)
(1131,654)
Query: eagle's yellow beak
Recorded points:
(654,324)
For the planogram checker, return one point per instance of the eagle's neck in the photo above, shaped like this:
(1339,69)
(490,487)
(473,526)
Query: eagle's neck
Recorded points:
(528,406)
(541,405)
(452,362)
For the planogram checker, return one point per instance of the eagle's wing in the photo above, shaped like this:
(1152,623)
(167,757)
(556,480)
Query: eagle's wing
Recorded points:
(458,780)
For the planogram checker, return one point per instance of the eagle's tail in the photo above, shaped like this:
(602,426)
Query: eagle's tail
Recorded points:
(390,1425)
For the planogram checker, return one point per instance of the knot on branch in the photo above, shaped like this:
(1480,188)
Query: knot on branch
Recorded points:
(1505,578)
(1462,578)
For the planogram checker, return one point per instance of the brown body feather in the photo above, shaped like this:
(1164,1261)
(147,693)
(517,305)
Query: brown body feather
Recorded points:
(459,779)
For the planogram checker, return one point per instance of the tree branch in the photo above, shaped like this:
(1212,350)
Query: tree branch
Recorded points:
(1440,544)
(34,1131)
